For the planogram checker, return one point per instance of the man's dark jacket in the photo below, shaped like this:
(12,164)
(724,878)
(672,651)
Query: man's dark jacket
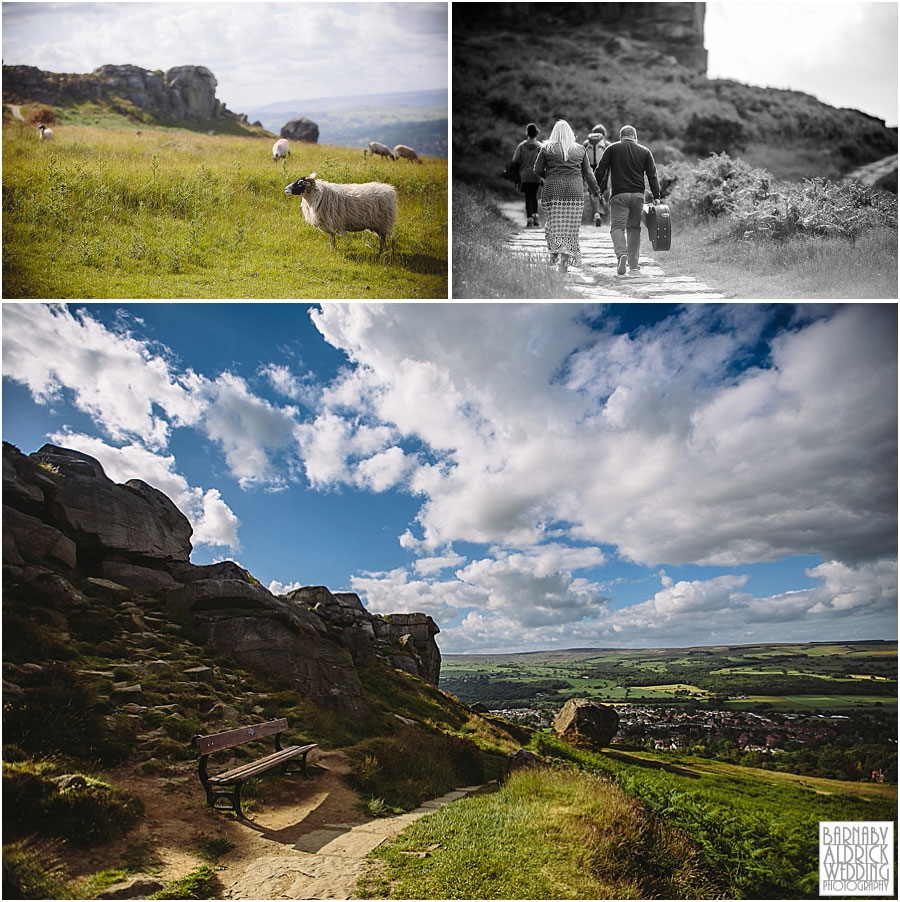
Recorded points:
(627,161)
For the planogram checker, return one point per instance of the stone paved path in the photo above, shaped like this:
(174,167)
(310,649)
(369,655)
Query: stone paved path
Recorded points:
(596,278)
(326,863)
(870,174)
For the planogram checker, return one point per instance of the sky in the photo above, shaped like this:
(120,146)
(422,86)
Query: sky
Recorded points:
(532,476)
(843,52)
(260,53)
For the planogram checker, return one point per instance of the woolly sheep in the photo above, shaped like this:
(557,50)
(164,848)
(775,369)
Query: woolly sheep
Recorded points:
(336,209)
(401,150)
(46,133)
(375,147)
(280,149)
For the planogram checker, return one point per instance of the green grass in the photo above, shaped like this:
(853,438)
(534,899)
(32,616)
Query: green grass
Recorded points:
(177,214)
(212,848)
(800,268)
(543,835)
(757,832)
(201,883)
(482,267)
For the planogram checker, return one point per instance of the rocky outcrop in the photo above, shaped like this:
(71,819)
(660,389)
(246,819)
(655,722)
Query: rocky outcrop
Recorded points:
(301,129)
(68,529)
(183,92)
(586,724)
(406,640)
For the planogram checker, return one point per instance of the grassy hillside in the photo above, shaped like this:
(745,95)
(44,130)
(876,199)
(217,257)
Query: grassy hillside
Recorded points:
(97,704)
(618,825)
(504,79)
(107,213)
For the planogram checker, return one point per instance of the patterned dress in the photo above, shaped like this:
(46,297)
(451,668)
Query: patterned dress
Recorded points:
(563,197)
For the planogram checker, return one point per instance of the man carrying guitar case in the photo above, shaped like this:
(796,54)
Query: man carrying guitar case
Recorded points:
(627,162)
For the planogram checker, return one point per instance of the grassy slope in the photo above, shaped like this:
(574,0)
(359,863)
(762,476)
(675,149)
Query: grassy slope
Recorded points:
(482,268)
(177,214)
(505,79)
(739,833)
(543,835)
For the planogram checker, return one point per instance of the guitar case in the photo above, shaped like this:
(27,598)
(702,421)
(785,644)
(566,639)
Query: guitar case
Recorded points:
(659,226)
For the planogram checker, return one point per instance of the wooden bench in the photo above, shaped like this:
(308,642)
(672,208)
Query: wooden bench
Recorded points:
(216,786)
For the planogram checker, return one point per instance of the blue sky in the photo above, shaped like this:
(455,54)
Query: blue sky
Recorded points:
(531,475)
(259,52)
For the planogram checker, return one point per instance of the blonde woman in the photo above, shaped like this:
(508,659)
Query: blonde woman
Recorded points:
(563,165)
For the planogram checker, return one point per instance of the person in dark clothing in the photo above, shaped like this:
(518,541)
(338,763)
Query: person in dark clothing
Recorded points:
(595,144)
(627,162)
(525,155)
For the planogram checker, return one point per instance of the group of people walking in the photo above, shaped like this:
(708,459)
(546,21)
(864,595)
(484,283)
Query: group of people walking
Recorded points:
(565,168)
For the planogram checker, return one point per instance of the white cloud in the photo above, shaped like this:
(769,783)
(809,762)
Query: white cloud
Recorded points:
(250,430)
(279,588)
(426,566)
(213,521)
(129,391)
(649,442)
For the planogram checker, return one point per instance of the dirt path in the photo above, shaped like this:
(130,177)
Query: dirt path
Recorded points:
(16,111)
(870,174)
(596,277)
(304,839)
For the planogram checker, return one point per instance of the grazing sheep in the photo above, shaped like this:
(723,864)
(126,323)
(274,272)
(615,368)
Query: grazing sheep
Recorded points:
(46,133)
(375,147)
(280,150)
(401,150)
(336,209)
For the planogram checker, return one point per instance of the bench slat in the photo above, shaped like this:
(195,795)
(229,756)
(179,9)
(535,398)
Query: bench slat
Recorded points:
(252,768)
(217,741)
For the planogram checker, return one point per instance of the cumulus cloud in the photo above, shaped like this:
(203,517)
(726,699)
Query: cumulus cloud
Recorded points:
(213,521)
(652,442)
(129,391)
(701,612)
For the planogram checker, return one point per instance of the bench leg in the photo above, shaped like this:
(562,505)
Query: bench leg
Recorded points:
(286,767)
(232,797)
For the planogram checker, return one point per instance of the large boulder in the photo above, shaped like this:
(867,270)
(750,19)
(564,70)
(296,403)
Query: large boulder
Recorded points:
(105,519)
(586,724)
(301,129)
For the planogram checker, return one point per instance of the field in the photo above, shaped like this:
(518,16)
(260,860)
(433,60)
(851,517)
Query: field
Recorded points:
(168,213)
(792,677)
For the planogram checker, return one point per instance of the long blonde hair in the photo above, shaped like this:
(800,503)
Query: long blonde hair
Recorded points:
(562,137)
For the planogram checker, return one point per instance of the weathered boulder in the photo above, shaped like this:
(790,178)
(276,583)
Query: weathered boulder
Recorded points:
(105,518)
(319,670)
(28,539)
(301,129)
(586,724)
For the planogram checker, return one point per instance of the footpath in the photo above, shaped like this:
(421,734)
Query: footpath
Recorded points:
(313,854)
(596,277)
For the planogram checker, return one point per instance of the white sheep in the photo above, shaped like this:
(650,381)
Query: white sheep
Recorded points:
(336,209)
(381,150)
(401,150)
(46,133)
(280,150)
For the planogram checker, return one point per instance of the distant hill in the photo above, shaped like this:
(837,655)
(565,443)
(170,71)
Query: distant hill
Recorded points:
(416,118)
(541,67)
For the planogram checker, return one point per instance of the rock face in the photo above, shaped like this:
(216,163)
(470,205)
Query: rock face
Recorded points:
(301,129)
(184,92)
(66,524)
(586,724)
(677,28)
